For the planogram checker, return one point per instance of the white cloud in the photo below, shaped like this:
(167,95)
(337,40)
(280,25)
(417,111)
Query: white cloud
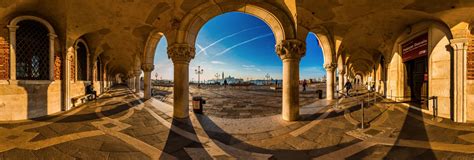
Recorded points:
(248,66)
(217,62)
(251,67)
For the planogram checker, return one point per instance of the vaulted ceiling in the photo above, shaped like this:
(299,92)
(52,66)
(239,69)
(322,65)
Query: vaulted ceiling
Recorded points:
(118,29)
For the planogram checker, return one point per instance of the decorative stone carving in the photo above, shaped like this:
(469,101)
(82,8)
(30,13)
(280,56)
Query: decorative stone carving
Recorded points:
(137,72)
(330,67)
(175,23)
(181,53)
(459,43)
(148,67)
(291,49)
(342,72)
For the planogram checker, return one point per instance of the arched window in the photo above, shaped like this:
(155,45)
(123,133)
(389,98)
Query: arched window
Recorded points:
(32,54)
(32,51)
(81,54)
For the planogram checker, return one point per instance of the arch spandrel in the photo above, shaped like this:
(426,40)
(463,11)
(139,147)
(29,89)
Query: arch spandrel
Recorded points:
(282,26)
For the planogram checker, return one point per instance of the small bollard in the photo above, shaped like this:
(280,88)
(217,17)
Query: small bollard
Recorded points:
(435,107)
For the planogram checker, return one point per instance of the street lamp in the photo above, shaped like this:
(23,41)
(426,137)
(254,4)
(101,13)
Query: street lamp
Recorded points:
(267,77)
(199,71)
(217,77)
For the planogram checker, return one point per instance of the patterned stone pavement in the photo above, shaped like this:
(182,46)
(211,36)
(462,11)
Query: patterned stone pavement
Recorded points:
(119,125)
(241,102)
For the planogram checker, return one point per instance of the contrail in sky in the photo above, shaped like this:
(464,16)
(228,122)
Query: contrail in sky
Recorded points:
(244,42)
(224,38)
(201,50)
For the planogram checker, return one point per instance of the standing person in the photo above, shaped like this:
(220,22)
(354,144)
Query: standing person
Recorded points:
(304,85)
(348,87)
(225,83)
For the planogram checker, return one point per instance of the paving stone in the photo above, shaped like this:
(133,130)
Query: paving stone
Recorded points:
(51,153)
(19,154)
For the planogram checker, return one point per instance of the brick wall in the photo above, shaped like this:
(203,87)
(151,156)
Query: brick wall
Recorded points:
(4,59)
(470,59)
(57,66)
(73,69)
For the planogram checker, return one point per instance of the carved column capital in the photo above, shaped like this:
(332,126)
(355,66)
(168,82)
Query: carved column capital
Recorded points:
(342,72)
(181,52)
(291,49)
(137,72)
(330,67)
(459,43)
(148,67)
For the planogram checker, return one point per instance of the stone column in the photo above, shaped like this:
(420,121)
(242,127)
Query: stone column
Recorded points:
(330,68)
(291,51)
(12,51)
(67,79)
(341,80)
(147,68)
(460,47)
(181,55)
(137,80)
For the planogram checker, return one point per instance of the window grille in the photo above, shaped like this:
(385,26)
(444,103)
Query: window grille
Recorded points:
(81,62)
(32,51)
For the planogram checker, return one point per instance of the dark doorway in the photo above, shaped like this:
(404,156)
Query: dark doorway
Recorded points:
(417,70)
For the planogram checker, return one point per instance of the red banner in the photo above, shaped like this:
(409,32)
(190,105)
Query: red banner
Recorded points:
(415,48)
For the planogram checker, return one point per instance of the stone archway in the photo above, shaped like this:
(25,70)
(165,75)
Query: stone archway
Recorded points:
(281,24)
(181,50)
(440,70)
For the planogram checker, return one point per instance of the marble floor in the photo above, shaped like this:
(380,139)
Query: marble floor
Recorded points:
(121,125)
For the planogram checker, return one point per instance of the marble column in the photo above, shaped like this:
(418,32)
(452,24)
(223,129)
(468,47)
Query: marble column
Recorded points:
(290,52)
(341,80)
(137,80)
(330,68)
(67,79)
(147,68)
(181,55)
(459,46)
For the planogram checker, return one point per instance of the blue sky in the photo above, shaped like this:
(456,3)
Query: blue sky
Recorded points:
(240,45)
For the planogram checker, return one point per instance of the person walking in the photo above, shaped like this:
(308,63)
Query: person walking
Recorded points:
(348,87)
(304,85)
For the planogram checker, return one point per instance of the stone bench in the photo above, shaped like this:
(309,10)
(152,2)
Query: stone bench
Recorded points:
(82,98)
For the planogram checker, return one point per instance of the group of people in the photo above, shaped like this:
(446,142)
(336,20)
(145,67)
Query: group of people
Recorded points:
(347,86)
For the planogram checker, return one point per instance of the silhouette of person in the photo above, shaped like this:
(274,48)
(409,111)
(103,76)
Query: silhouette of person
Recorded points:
(304,85)
(348,87)
(90,90)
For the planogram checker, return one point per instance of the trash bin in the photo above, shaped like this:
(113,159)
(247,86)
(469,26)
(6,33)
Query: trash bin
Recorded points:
(198,102)
(320,94)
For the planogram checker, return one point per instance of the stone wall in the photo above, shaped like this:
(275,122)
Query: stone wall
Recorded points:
(29,99)
(439,72)
(76,89)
